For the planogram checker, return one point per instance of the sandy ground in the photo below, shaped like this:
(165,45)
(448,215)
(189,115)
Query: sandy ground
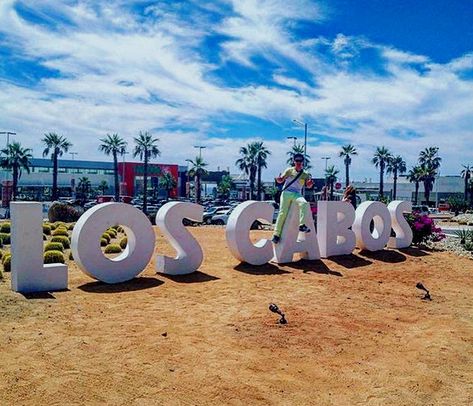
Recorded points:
(358,333)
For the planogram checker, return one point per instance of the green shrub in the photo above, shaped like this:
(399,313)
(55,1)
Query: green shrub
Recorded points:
(60,231)
(123,242)
(103,242)
(63,212)
(115,227)
(5,228)
(468,246)
(1,254)
(70,227)
(120,229)
(1,243)
(52,225)
(112,249)
(112,232)
(45,237)
(6,261)
(47,229)
(63,240)
(53,257)
(5,237)
(464,235)
(54,246)
(107,237)
(71,257)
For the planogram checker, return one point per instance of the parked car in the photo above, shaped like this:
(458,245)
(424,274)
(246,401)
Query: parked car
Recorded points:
(210,212)
(221,217)
(422,210)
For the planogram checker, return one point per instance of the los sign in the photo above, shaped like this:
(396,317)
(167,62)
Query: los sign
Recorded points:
(339,230)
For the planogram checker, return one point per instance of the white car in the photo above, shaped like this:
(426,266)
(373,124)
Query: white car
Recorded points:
(221,217)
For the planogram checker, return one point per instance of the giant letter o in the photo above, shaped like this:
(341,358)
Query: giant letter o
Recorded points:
(379,213)
(86,249)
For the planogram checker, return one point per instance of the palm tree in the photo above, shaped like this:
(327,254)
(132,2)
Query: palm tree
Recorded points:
(247,163)
(114,145)
(167,182)
(429,162)
(380,159)
(346,153)
(414,176)
(298,149)
(146,149)
(56,145)
(261,153)
(16,158)
(197,171)
(466,174)
(396,166)
(225,185)
(84,186)
(103,187)
(331,176)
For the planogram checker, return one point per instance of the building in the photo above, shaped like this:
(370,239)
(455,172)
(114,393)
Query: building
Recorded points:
(37,185)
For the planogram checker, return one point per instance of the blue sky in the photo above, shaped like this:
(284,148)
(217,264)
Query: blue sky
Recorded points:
(223,73)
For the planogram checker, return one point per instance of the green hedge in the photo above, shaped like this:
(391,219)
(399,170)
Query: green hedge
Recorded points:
(123,242)
(47,229)
(63,240)
(5,237)
(60,231)
(112,249)
(103,242)
(6,261)
(54,246)
(112,232)
(107,237)
(54,257)
(5,228)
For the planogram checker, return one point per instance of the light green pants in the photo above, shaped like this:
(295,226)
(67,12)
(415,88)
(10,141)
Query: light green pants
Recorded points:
(286,199)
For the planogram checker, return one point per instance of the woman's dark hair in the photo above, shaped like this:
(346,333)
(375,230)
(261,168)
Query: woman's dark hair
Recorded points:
(298,157)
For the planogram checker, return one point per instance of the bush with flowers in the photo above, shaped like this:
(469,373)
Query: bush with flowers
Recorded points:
(424,229)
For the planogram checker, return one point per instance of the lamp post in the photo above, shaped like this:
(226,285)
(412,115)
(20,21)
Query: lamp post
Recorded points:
(7,133)
(305,134)
(292,138)
(73,180)
(188,179)
(201,147)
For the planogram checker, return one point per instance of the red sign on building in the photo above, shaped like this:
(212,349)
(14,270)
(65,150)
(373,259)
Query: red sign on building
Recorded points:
(132,174)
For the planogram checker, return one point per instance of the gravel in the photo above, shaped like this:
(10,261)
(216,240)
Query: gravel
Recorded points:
(451,244)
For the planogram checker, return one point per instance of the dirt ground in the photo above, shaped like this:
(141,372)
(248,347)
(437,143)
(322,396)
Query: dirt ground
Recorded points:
(358,333)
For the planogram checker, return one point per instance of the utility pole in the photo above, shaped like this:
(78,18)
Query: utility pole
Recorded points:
(7,133)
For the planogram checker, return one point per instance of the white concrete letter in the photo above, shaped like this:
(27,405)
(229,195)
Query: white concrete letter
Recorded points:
(189,253)
(333,222)
(86,249)
(289,244)
(403,238)
(238,236)
(379,213)
(28,274)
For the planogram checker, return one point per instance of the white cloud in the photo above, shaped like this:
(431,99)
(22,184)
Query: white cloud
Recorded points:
(119,72)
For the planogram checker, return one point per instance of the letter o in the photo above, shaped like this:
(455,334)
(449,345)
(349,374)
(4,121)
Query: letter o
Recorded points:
(365,213)
(85,242)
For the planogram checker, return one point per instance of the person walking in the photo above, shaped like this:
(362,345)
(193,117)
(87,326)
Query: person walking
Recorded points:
(294,178)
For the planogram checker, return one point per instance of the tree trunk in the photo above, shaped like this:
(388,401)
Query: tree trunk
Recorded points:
(15,181)
(381,183)
(197,187)
(427,191)
(347,173)
(467,178)
(331,190)
(259,181)
(115,170)
(55,191)
(252,183)
(395,185)
(416,195)
(145,183)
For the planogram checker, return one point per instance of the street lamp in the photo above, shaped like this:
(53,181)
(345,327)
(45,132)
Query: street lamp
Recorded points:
(305,134)
(7,133)
(201,147)
(292,138)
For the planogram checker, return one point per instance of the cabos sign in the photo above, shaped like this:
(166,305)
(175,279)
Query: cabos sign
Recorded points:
(339,229)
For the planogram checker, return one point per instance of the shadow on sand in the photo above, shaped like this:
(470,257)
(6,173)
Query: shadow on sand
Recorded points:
(128,286)
(41,295)
(313,266)
(414,251)
(389,256)
(350,261)
(194,277)
(266,269)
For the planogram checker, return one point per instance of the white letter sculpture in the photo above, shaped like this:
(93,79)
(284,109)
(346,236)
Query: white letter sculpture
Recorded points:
(189,253)
(379,213)
(333,222)
(86,249)
(238,237)
(28,274)
(400,225)
(290,244)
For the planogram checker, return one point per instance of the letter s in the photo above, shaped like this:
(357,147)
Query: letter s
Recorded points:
(189,253)
(400,225)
